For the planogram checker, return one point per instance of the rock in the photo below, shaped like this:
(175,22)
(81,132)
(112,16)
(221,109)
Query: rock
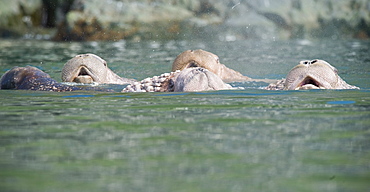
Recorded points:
(283,19)
(227,20)
(32,18)
(18,17)
(89,20)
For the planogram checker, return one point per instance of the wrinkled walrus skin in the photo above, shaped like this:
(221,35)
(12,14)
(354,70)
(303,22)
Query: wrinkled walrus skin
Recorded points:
(207,60)
(315,74)
(198,79)
(90,68)
(32,78)
(192,79)
(187,80)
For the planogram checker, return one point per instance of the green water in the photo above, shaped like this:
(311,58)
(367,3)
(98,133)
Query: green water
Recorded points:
(234,140)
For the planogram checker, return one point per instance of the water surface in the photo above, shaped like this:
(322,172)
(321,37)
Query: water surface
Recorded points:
(234,140)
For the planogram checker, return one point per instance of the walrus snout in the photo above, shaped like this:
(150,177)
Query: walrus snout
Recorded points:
(90,68)
(198,79)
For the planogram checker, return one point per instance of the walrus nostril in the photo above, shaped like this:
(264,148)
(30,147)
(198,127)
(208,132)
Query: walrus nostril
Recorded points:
(313,61)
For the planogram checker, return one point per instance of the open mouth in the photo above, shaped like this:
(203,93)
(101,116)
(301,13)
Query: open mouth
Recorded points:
(309,83)
(83,76)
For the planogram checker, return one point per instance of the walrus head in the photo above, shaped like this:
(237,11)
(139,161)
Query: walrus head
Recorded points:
(85,68)
(209,61)
(187,80)
(315,74)
(197,79)
(89,68)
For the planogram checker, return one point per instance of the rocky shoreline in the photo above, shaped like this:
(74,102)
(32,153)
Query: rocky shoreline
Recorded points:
(93,20)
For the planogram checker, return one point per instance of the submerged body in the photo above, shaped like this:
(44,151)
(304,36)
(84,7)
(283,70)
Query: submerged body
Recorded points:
(193,79)
(90,68)
(32,78)
(197,74)
(315,74)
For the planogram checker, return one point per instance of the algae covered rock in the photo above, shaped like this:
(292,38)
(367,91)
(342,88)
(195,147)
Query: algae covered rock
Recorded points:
(112,20)
(90,20)
(18,17)
(226,20)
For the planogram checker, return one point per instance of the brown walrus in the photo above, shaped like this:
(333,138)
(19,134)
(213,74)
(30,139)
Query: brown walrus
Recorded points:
(207,60)
(32,78)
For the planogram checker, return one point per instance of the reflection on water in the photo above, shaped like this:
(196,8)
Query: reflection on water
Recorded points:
(234,140)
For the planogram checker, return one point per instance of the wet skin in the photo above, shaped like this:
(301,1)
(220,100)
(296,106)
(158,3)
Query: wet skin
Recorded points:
(32,78)
(207,60)
(90,68)
(188,80)
(314,74)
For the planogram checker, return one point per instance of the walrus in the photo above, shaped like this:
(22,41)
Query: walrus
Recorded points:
(90,68)
(32,78)
(314,74)
(198,79)
(192,79)
(187,80)
(207,60)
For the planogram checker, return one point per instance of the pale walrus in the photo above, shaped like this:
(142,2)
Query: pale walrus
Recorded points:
(90,68)
(207,60)
(187,80)
(315,74)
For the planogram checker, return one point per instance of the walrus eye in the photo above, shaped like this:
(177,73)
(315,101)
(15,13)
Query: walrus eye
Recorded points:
(313,61)
(105,64)
(306,62)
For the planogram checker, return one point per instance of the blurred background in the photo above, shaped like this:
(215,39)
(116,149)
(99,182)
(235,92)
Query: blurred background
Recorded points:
(235,140)
(229,20)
